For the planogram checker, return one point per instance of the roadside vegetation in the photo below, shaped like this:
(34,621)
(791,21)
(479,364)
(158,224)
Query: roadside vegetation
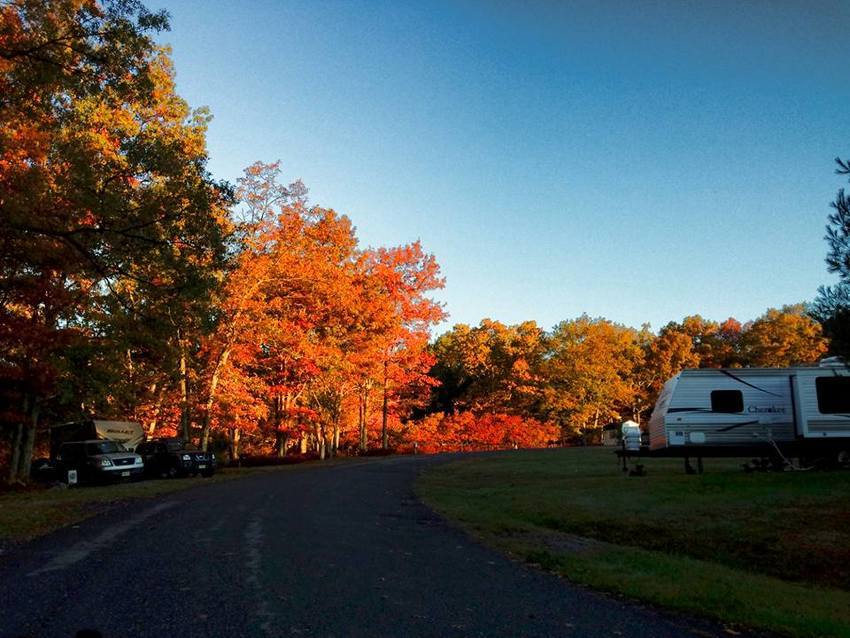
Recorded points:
(764,550)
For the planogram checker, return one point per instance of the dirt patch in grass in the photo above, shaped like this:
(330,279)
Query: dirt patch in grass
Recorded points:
(558,542)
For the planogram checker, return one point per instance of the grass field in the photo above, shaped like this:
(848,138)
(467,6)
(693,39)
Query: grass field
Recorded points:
(767,550)
(29,514)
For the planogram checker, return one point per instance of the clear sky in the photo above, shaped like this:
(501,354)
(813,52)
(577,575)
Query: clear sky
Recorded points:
(640,161)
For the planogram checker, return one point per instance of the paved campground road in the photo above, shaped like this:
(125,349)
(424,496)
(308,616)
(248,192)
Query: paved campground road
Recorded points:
(337,551)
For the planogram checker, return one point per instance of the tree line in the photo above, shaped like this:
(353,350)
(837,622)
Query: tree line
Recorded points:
(134,285)
(587,371)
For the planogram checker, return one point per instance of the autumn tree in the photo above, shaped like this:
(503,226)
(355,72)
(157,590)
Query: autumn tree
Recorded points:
(260,198)
(783,338)
(260,195)
(727,345)
(405,277)
(489,368)
(312,322)
(105,203)
(589,368)
(286,306)
(644,377)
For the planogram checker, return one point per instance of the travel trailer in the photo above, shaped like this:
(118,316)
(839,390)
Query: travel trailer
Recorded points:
(800,412)
(127,433)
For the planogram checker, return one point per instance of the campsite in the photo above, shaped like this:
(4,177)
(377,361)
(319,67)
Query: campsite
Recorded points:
(424,319)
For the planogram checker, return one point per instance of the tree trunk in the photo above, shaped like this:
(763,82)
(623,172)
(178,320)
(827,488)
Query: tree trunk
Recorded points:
(335,440)
(384,438)
(28,442)
(360,419)
(235,436)
(278,435)
(157,410)
(16,453)
(320,441)
(131,376)
(18,443)
(185,417)
(205,429)
(595,424)
(282,444)
(364,412)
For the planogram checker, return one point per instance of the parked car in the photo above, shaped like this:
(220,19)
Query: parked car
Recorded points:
(98,461)
(170,457)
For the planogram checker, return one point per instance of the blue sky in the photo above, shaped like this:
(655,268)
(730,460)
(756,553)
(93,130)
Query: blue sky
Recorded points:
(638,161)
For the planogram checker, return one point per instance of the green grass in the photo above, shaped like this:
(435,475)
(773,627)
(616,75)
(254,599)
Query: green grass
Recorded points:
(30,514)
(767,550)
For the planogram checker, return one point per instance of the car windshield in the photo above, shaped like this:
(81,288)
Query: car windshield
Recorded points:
(176,446)
(104,447)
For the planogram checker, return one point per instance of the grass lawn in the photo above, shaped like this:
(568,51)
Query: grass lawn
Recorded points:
(27,515)
(767,550)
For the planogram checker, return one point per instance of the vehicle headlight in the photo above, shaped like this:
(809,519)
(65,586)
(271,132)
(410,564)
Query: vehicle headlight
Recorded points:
(212,456)
(186,457)
(105,462)
(139,460)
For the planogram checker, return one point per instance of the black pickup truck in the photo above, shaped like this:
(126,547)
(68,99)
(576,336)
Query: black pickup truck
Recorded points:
(174,457)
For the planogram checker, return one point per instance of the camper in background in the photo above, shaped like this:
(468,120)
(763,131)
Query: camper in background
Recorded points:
(800,412)
(127,433)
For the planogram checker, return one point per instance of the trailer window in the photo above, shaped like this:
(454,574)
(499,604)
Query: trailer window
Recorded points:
(727,401)
(833,395)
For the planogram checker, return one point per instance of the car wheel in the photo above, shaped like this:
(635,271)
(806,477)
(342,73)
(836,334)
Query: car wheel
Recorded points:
(172,472)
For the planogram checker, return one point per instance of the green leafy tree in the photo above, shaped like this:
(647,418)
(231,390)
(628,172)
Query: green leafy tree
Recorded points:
(832,305)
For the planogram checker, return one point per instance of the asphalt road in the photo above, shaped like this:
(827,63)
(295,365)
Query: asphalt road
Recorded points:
(338,551)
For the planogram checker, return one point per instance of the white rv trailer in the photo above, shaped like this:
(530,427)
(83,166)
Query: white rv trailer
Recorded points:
(799,411)
(127,433)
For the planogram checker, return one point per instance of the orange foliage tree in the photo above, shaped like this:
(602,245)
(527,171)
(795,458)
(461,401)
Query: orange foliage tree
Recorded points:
(590,373)
(110,225)
(491,389)
(781,338)
(313,323)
